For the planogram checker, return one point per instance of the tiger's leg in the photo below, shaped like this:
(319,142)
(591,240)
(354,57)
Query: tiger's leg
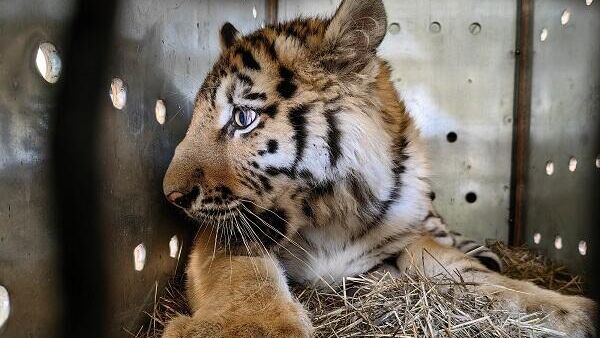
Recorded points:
(572,315)
(238,296)
(437,228)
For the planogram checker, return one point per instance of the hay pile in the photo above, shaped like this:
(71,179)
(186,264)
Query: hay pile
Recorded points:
(380,305)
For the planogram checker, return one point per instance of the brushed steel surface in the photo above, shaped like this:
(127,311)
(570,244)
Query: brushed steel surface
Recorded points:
(161,50)
(565,123)
(28,253)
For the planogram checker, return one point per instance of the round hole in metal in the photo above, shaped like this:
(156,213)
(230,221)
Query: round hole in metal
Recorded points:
(139,257)
(394,28)
(582,247)
(475,28)
(544,34)
(549,168)
(174,246)
(558,244)
(48,62)
(118,93)
(572,164)
(435,27)
(160,111)
(4,305)
(451,137)
(471,197)
(565,17)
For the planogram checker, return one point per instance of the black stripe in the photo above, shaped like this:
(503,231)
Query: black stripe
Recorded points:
(245,79)
(247,59)
(297,118)
(265,183)
(286,87)
(333,137)
(272,146)
(399,157)
(256,96)
(259,40)
(273,171)
(271,110)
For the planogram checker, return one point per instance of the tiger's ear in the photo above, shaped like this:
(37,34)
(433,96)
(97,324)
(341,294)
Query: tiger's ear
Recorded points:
(228,35)
(353,34)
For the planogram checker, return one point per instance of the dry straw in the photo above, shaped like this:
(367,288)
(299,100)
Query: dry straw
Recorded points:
(416,305)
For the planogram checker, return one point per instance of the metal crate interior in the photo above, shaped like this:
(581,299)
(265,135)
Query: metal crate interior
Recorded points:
(489,82)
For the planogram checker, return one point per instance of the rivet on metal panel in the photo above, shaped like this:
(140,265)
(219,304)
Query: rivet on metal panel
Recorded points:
(537,238)
(471,197)
(118,93)
(598,161)
(451,137)
(435,27)
(174,246)
(565,17)
(549,168)
(160,110)
(254,12)
(582,247)
(588,2)
(572,164)
(544,34)
(394,28)
(558,244)
(48,62)
(475,28)
(139,257)
(4,305)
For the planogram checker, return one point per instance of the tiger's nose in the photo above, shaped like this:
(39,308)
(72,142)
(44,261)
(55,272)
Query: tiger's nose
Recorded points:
(183,200)
(174,196)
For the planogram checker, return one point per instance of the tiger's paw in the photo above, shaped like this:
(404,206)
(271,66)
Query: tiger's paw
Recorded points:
(292,324)
(573,315)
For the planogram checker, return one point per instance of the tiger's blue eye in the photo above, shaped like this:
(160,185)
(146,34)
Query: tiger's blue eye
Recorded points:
(244,118)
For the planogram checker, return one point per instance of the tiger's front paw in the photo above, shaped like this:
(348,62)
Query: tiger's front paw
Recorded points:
(189,327)
(292,323)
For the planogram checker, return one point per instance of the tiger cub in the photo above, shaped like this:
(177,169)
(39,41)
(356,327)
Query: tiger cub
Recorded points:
(301,163)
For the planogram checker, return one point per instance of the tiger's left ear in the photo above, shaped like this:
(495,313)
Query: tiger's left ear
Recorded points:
(353,34)
(228,35)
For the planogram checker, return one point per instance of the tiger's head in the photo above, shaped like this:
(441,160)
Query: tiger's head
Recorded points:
(286,114)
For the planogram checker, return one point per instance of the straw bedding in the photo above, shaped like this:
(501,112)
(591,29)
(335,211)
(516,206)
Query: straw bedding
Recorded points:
(381,305)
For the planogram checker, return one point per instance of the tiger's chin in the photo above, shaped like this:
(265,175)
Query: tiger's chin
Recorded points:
(242,228)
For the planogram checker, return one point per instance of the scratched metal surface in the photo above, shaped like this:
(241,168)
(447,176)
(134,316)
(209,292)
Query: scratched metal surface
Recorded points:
(454,81)
(565,123)
(161,50)
(27,251)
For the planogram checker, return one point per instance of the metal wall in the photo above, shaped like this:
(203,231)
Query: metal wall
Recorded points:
(453,63)
(161,50)
(565,125)
(28,252)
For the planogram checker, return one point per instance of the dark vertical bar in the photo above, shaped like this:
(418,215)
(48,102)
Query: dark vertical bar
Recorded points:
(524,51)
(74,171)
(271,7)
